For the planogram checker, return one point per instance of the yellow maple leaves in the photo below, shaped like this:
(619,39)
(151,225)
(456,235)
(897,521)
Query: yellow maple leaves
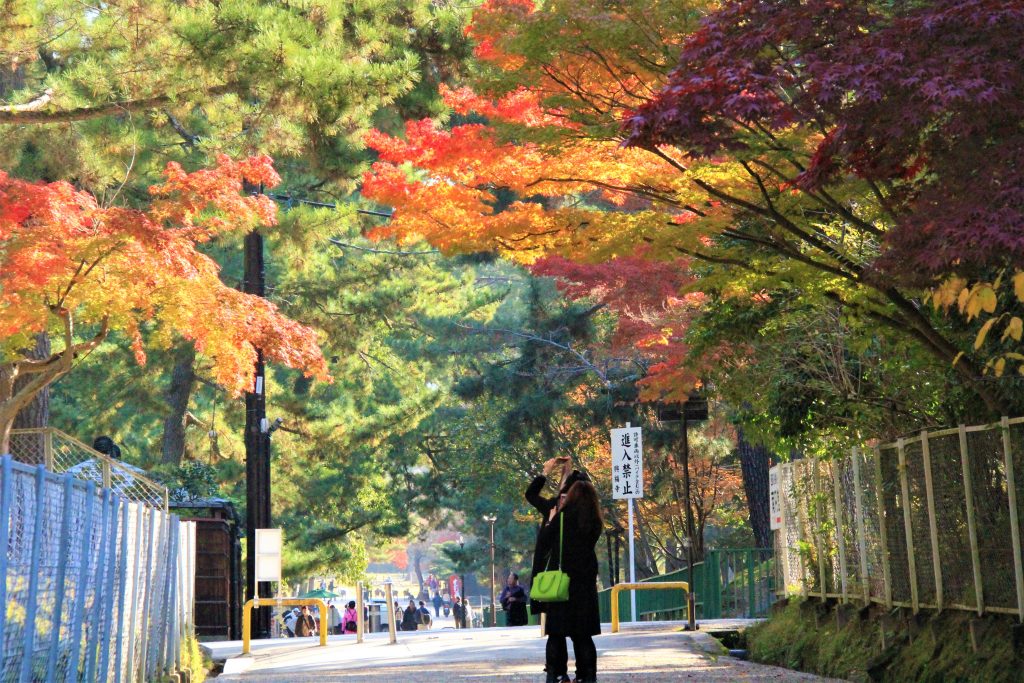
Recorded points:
(979,299)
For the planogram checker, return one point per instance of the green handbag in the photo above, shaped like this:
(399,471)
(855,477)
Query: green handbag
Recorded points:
(552,585)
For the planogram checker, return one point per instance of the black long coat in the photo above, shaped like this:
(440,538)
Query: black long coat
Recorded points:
(540,552)
(579,616)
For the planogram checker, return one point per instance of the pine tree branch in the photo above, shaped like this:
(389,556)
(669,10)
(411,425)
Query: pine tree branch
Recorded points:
(20,114)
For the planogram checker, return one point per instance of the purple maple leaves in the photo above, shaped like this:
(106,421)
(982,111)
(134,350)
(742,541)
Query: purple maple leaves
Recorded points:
(924,100)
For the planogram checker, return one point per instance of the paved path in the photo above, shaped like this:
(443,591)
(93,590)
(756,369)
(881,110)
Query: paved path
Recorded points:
(641,653)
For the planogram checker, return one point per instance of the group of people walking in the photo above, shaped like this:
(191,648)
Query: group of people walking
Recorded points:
(301,622)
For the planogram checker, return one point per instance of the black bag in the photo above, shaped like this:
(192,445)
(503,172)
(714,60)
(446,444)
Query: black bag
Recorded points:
(350,626)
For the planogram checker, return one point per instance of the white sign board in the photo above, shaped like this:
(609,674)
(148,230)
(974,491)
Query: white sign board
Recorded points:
(268,555)
(627,463)
(775,497)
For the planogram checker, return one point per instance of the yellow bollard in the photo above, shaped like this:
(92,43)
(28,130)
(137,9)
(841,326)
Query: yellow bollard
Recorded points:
(391,621)
(543,624)
(618,588)
(359,613)
(291,602)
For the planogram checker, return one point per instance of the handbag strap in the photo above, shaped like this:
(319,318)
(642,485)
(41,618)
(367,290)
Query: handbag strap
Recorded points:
(561,530)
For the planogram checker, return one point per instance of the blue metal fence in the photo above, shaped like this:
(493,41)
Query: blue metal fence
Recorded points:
(96,587)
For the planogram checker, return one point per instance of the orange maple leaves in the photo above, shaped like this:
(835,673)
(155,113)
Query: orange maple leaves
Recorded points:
(63,254)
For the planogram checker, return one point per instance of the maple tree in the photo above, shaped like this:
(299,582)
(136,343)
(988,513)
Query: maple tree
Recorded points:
(775,159)
(70,265)
(876,115)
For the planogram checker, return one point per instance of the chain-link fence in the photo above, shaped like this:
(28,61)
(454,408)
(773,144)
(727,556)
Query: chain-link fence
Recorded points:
(59,452)
(97,587)
(929,521)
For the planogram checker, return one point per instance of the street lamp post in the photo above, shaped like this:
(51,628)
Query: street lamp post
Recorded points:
(462,579)
(492,519)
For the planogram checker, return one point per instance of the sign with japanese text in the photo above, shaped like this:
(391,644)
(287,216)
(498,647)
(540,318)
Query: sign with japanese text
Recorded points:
(268,554)
(627,463)
(775,497)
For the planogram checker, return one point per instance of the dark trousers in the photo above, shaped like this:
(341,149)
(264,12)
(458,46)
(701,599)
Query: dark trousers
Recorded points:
(557,657)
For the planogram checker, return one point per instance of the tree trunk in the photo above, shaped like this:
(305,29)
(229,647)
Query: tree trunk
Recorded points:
(7,378)
(754,465)
(37,413)
(417,559)
(183,380)
(646,566)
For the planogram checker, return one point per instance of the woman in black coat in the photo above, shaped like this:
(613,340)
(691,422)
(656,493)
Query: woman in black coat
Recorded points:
(579,617)
(544,506)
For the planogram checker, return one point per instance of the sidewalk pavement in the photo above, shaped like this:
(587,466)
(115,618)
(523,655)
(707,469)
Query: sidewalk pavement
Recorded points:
(641,653)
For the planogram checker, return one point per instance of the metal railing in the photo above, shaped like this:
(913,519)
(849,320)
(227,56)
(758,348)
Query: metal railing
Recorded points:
(664,585)
(729,583)
(931,521)
(60,453)
(95,587)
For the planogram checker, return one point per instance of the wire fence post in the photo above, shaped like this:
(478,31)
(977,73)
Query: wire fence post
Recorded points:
(92,633)
(861,536)
(908,526)
(33,579)
(883,533)
(122,587)
(147,596)
(933,524)
(816,487)
(83,574)
(1011,490)
(59,585)
(5,516)
(136,572)
(837,480)
(48,449)
(972,529)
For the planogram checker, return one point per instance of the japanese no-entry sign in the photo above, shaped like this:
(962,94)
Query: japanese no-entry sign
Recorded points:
(627,463)
(775,498)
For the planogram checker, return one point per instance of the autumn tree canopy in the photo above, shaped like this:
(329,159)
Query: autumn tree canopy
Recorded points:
(79,270)
(754,154)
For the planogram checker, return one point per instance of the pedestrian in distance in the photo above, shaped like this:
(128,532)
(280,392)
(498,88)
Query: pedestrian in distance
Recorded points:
(438,602)
(458,613)
(290,617)
(410,617)
(348,619)
(513,601)
(423,613)
(572,532)
(333,619)
(305,625)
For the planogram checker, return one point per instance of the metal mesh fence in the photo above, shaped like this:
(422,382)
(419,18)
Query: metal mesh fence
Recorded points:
(62,453)
(76,565)
(931,521)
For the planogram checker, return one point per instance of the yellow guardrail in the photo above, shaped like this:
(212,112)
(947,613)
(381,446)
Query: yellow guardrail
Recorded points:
(281,602)
(651,585)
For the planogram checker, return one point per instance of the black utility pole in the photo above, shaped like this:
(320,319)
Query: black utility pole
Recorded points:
(257,443)
(690,606)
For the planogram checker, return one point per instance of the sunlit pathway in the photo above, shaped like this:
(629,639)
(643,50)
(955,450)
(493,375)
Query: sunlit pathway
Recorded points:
(643,653)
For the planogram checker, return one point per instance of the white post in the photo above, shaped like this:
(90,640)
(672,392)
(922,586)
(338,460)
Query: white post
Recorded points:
(632,556)
(632,562)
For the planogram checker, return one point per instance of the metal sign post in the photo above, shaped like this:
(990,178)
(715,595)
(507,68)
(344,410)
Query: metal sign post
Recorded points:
(628,483)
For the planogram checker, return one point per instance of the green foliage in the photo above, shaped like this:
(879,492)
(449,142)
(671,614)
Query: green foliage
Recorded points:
(807,636)
(191,481)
